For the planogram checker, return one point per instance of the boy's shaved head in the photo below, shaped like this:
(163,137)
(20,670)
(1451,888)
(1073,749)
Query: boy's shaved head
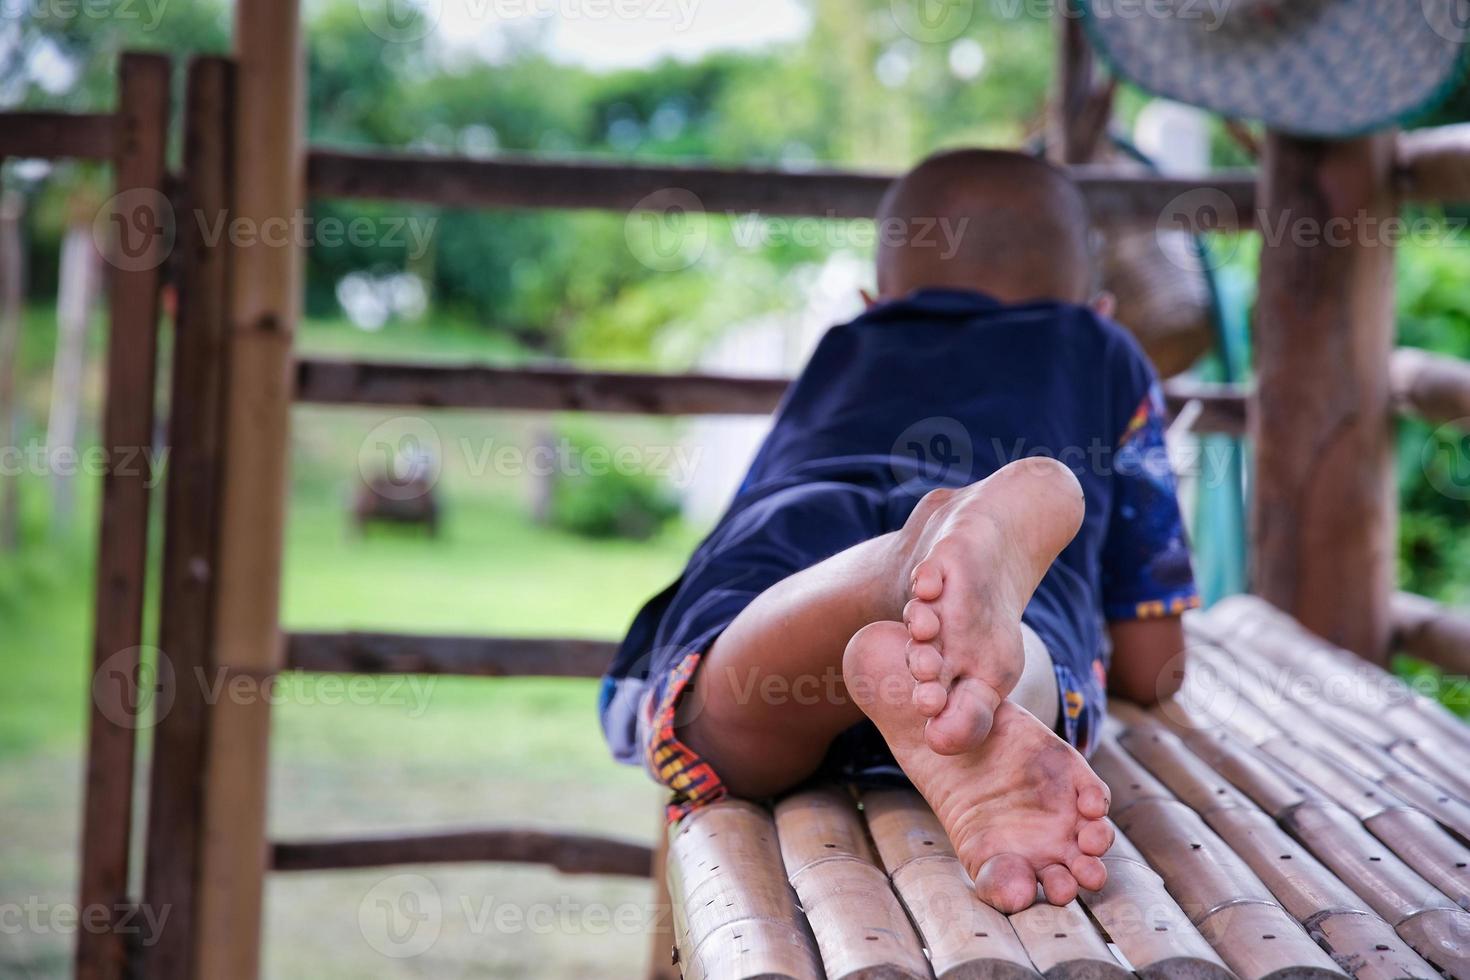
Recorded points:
(1002,223)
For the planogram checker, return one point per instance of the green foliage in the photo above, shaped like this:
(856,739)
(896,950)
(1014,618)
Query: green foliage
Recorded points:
(601,498)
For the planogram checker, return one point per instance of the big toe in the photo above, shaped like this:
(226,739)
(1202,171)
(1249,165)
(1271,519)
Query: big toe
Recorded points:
(968,714)
(1006,883)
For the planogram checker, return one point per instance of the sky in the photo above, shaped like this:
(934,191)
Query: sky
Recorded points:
(610,34)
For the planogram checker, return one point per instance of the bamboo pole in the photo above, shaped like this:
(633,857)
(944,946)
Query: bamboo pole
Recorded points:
(264,300)
(1323,517)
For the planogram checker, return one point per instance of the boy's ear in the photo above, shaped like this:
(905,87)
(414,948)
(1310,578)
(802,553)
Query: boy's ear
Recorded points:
(869,300)
(1104,304)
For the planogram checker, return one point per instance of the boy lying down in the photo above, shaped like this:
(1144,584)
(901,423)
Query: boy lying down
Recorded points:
(858,606)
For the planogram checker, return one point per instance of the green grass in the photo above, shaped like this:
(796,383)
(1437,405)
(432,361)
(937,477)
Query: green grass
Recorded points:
(380,755)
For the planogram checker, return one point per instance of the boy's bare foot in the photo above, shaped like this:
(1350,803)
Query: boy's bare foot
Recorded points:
(1023,807)
(978,553)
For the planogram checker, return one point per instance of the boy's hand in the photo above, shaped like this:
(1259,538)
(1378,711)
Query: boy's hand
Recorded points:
(1148,659)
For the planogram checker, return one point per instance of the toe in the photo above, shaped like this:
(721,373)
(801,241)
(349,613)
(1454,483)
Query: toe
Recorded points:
(1058,884)
(1092,800)
(921,619)
(1090,873)
(1006,883)
(925,663)
(1094,837)
(966,719)
(928,580)
(930,698)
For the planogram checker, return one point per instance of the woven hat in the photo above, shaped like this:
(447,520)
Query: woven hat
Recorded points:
(1310,67)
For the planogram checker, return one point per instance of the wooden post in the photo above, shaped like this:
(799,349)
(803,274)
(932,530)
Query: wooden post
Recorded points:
(119,698)
(12,304)
(195,474)
(1080,107)
(265,293)
(1323,513)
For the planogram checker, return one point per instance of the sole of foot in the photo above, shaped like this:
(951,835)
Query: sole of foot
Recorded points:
(1022,809)
(980,552)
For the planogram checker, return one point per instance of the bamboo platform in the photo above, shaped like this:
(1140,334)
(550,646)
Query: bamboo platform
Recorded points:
(1294,813)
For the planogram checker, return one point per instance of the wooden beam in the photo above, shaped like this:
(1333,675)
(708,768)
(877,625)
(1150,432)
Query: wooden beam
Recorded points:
(576,854)
(12,308)
(1432,632)
(1432,387)
(85,136)
(549,388)
(474,656)
(120,698)
(1433,165)
(264,302)
(195,475)
(1323,514)
(1080,107)
(512,181)
(561,388)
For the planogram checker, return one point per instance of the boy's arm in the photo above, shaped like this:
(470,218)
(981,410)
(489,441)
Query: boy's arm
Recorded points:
(1147,663)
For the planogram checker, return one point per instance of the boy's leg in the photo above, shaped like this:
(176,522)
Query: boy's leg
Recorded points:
(770,695)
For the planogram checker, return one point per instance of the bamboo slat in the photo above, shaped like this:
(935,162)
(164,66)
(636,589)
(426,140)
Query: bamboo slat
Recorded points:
(1440,859)
(1360,796)
(1186,776)
(1270,789)
(1129,783)
(734,912)
(1441,936)
(1367,947)
(1146,924)
(1064,944)
(567,853)
(1259,940)
(1363,863)
(903,827)
(860,927)
(1432,767)
(1200,871)
(1302,884)
(965,937)
(819,824)
(1419,792)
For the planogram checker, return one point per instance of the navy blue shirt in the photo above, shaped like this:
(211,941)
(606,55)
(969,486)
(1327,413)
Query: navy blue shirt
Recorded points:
(943,388)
